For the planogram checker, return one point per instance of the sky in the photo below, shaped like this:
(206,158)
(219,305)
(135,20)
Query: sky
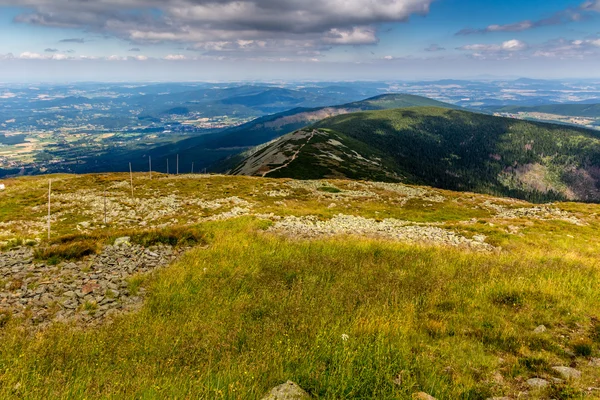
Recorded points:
(235,40)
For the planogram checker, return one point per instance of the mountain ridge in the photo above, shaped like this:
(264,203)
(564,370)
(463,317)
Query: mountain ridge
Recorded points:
(449,149)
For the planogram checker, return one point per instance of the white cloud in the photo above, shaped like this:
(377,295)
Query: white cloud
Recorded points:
(509,45)
(355,36)
(175,57)
(59,57)
(27,55)
(514,45)
(235,24)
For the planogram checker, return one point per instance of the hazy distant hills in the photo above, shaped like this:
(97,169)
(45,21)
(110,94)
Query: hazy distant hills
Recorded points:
(445,148)
(574,110)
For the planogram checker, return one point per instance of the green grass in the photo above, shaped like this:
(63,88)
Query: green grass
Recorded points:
(253,310)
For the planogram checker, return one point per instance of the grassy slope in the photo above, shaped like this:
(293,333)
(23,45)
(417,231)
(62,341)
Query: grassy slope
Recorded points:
(255,309)
(456,149)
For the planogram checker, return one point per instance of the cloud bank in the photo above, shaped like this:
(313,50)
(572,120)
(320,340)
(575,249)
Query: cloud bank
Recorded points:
(290,25)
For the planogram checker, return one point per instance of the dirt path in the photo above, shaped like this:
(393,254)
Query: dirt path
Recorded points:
(293,156)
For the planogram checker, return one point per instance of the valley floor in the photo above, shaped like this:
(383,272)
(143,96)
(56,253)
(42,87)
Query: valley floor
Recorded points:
(350,289)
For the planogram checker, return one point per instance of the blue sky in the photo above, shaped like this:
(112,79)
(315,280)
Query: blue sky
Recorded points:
(291,39)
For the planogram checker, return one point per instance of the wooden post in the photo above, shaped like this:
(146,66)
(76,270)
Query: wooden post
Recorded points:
(167,166)
(150,165)
(104,204)
(177,165)
(49,202)
(131,180)
(192,167)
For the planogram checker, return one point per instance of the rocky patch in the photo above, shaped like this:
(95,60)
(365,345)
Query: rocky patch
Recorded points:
(311,227)
(87,291)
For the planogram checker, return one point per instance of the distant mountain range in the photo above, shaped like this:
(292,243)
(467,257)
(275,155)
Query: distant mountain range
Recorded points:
(574,110)
(445,148)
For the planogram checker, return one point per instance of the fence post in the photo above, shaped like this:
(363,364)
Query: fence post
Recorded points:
(131,180)
(49,202)
(105,205)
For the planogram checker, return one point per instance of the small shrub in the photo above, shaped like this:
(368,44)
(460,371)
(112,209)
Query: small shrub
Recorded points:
(4,318)
(561,391)
(582,347)
(535,364)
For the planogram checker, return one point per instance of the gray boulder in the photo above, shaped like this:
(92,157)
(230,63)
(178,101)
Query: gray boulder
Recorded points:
(287,391)
(568,372)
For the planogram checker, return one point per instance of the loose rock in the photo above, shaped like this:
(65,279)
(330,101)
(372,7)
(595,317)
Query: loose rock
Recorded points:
(568,372)
(537,383)
(423,396)
(287,391)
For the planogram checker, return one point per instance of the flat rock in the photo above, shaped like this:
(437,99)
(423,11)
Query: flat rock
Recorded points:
(540,329)
(287,391)
(423,396)
(122,240)
(537,383)
(568,372)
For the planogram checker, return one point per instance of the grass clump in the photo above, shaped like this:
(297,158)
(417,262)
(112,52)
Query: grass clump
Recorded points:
(329,189)
(583,347)
(68,251)
(177,236)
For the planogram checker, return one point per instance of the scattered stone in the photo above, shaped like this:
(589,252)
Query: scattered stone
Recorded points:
(499,398)
(540,329)
(537,383)
(389,228)
(567,372)
(594,362)
(423,396)
(287,391)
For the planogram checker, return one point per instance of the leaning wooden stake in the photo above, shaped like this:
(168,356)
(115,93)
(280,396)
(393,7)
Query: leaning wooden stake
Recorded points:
(49,202)
(105,205)
(192,168)
(131,180)
(150,165)
(167,166)
(177,165)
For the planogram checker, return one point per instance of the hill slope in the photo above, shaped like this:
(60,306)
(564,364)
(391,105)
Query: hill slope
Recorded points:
(449,149)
